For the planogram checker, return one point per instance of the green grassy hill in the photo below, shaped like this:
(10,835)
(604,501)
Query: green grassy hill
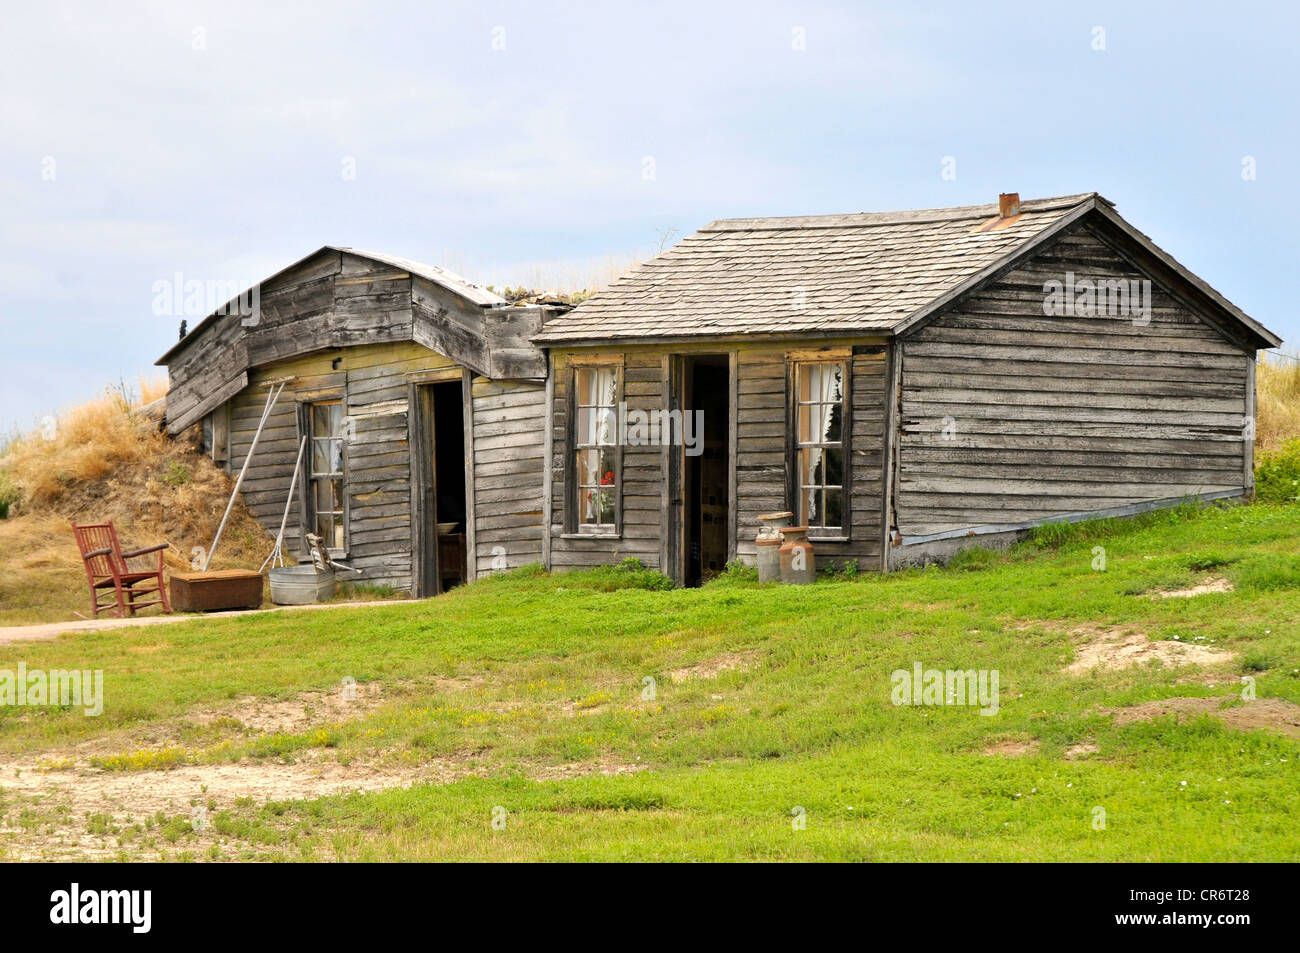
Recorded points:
(596,716)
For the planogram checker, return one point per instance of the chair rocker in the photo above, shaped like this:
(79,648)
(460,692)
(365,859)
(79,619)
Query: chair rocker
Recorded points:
(114,585)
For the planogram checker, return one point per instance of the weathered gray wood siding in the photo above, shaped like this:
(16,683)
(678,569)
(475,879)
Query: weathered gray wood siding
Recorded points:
(505,444)
(340,299)
(642,472)
(761,455)
(372,381)
(763,440)
(1052,415)
(508,463)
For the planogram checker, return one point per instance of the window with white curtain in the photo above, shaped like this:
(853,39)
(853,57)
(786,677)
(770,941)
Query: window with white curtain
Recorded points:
(595,444)
(820,417)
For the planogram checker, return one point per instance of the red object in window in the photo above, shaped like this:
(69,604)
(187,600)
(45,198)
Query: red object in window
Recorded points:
(607,479)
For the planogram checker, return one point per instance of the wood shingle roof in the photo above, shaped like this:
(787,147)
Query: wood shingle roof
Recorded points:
(870,272)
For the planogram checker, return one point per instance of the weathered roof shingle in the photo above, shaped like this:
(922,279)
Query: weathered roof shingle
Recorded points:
(860,272)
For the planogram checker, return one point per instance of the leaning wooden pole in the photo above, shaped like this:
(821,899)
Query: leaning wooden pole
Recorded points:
(278,551)
(248,458)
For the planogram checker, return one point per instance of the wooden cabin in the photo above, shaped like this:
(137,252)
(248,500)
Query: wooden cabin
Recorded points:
(906,383)
(421,398)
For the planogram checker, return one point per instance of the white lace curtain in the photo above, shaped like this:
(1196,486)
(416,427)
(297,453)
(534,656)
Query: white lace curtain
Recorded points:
(824,388)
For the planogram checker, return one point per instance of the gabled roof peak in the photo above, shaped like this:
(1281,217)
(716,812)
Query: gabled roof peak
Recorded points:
(901,217)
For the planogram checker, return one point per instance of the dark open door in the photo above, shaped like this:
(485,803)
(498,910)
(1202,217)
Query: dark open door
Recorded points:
(437,439)
(699,468)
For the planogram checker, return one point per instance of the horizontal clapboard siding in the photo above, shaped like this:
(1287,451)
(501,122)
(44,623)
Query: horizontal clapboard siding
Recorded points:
(761,449)
(760,459)
(509,456)
(372,382)
(643,474)
(1009,415)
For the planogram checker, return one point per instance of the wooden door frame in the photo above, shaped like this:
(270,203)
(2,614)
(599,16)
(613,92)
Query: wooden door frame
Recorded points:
(673,550)
(421,437)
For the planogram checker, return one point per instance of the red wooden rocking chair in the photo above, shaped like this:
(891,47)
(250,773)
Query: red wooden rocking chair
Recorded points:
(106,566)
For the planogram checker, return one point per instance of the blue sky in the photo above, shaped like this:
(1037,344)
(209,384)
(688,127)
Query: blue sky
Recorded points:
(509,142)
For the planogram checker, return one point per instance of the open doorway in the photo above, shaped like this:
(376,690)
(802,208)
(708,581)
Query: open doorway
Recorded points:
(449,459)
(438,466)
(706,476)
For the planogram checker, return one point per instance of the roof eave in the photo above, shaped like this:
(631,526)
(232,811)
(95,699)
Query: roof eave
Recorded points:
(1263,336)
(341,249)
(732,337)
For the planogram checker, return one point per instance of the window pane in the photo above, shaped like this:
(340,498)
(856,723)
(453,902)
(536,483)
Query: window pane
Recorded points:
(320,420)
(812,466)
(336,456)
(607,386)
(325,527)
(596,504)
(808,509)
(832,511)
(833,465)
(832,382)
(586,426)
(338,534)
(608,463)
(320,461)
(832,418)
(806,416)
(326,420)
(588,467)
(606,506)
(324,497)
(596,386)
(606,426)
(597,425)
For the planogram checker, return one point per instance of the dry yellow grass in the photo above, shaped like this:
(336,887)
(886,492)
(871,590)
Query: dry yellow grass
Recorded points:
(107,461)
(1277,386)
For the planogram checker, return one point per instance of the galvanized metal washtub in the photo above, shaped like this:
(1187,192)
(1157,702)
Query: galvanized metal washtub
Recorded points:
(300,585)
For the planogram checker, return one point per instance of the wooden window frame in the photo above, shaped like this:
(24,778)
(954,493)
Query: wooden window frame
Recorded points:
(794,487)
(307,480)
(573,527)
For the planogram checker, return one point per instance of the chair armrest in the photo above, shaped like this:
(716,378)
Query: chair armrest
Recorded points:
(98,552)
(144,552)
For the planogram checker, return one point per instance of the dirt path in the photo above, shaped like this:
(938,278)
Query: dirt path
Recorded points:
(51,630)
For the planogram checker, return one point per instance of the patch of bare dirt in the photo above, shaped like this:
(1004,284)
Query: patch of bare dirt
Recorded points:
(578,769)
(1273,714)
(713,667)
(1081,750)
(1011,748)
(1117,647)
(297,714)
(89,790)
(1217,584)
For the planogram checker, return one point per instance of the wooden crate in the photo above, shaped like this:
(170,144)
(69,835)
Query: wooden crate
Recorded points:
(222,589)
